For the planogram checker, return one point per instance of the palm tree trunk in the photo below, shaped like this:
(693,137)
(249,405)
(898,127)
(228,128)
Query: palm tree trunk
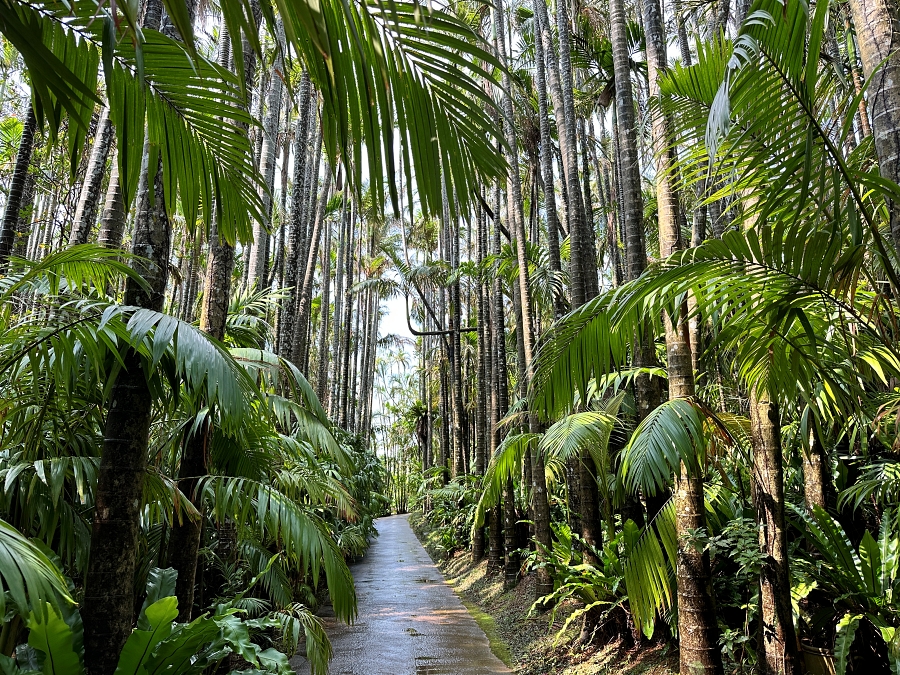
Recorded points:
(559,76)
(500,385)
(546,161)
(816,473)
(310,267)
(314,168)
(877,24)
(108,605)
(865,128)
(374,321)
(344,391)
(343,227)
(697,626)
(259,257)
(26,215)
(592,286)
(353,360)
(540,503)
(324,315)
(629,170)
(483,367)
(17,187)
(184,541)
(86,209)
(313,165)
(109,593)
(276,276)
(777,646)
(295,236)
(112,221)
(451,237)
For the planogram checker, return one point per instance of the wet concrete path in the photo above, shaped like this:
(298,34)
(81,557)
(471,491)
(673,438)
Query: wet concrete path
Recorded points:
(410,621)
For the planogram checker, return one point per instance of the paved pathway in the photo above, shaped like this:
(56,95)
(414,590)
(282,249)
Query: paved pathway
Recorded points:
(410,621)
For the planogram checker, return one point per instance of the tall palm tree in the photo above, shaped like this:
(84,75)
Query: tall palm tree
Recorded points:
(108,594)
(483,368)
(500,386)
(699,652)
(546,157)
(259,258)
(540,502)
(17,186)
(86,210)
(777,639)
(295,231)
(306,287)
(877,24)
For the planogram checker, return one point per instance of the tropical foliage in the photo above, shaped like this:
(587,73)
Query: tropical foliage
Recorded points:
(270,270)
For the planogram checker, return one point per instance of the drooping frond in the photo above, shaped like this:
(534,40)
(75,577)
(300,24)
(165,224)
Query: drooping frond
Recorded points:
(302,534)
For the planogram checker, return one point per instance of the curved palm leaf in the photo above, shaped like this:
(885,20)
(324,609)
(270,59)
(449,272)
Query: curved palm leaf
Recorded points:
(27,574)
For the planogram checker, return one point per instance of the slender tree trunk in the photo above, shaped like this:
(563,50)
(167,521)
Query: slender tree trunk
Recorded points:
(777,647)
(500,384)
(108,605)
(559,76)
(816,473)
(86,210)
(295,237)
(546,161)
(310,266)
(17,187)
(481,413)
(259,257)
(277,276)
(112,222)
(539,497)
(324,315)
(629,169)
(877,24)
(451,234)
(184,541)
(344,393)
(697,625)
(334,399)
(862,117)
(26,215)
(314,167)
(591,284)
(374,321)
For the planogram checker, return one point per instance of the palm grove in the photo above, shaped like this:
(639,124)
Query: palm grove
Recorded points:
(205,205)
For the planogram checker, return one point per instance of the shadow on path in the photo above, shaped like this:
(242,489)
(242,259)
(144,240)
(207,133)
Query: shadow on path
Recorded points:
(410,621)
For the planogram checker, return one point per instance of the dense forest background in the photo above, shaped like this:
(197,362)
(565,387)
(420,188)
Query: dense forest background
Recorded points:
(649,256)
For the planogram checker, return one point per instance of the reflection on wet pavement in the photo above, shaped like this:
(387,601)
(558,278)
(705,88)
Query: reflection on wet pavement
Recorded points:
(410,622)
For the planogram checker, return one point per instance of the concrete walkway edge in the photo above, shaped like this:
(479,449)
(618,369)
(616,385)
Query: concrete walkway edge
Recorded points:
(410,621)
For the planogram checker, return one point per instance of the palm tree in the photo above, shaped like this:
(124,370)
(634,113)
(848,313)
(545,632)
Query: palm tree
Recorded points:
(17,186)
(539,498)
(777,641)
(86,211)
(305,292)
(295,236)
(546,154)
(259,258)
(877,24)
(699,649)
(500,406)
(108,595)
(483,369)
